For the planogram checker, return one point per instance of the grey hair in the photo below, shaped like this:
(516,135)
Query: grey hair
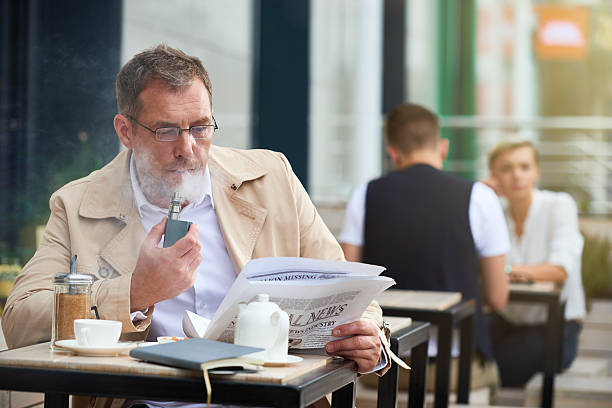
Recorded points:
(173,67)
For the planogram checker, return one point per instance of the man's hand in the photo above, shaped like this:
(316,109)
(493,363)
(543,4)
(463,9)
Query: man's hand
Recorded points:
(163,273)
(363,347)
(493,184)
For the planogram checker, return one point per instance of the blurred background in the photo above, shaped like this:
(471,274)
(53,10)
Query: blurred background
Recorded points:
(314,79)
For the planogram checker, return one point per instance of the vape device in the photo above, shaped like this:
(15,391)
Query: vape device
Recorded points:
(175,228)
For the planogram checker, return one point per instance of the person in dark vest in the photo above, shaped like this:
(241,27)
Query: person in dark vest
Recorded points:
(432,230)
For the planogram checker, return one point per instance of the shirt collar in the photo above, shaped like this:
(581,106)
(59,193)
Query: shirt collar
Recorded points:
(141,201)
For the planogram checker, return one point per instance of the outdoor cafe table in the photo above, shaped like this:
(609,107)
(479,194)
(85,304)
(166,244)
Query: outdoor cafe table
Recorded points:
(57,374)
(444,310)
(548,294)
(407,338)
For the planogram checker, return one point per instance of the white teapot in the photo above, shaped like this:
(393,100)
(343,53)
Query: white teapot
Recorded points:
(263,324)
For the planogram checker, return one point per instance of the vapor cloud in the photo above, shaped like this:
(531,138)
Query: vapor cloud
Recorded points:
(158,185)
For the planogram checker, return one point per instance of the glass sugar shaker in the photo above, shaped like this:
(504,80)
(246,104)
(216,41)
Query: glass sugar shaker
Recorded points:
(72,300)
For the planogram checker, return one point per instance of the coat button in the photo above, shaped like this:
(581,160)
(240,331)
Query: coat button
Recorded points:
(234,187)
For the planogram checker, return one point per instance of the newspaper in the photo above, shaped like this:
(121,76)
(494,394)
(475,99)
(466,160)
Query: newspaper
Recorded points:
(317,295)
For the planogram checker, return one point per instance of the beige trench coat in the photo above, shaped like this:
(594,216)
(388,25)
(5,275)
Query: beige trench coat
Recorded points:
(262,209)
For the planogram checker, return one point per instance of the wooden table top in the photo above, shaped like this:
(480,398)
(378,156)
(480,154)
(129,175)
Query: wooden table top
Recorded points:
(41,356)
(418,299)
(397,323)
(533,287)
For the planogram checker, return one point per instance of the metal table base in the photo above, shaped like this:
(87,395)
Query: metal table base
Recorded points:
(411,341)
(463,315)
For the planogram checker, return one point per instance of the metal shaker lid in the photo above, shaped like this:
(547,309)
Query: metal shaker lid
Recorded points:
(73,278)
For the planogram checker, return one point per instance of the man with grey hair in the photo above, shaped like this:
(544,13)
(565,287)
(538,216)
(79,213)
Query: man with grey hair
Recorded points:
(243,205)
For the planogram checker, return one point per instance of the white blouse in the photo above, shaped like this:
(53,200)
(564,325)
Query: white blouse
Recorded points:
(550,235)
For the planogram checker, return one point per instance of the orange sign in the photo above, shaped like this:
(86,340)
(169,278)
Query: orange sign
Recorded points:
(562,32)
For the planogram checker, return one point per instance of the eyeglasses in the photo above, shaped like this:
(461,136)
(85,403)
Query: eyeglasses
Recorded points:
(170,134)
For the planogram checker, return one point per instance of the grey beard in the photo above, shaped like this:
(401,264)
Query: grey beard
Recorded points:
(159,191)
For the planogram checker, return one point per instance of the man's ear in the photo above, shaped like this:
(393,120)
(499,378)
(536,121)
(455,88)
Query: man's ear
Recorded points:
(394,155)
(443,145)
(123,130)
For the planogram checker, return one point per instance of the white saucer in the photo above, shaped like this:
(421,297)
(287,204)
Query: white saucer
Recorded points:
(290,361)
(147,344)
(114,350)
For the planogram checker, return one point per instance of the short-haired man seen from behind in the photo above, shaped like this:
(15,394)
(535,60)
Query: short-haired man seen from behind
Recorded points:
(243,205)
(430,229)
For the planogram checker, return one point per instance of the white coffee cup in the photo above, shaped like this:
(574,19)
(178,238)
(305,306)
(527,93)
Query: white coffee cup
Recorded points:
(97,333)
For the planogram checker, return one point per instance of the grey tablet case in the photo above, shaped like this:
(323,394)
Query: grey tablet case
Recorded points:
(190,353)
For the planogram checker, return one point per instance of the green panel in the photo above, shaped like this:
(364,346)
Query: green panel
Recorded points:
(446,49)
(456,77)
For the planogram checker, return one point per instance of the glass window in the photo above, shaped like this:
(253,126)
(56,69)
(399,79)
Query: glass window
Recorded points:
(220,34)
(523,69)
(57,97)
(345,97)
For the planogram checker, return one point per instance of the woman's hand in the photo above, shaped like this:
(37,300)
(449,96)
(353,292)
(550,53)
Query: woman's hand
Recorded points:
(520,277)
(493,184)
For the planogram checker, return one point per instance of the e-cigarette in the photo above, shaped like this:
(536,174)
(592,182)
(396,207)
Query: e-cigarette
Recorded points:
(175,228)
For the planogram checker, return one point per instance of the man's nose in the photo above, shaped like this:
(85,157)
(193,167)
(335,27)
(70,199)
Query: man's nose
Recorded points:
(183,146)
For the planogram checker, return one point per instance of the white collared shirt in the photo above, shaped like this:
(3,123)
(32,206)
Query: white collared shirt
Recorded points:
(550,235)
(215,274)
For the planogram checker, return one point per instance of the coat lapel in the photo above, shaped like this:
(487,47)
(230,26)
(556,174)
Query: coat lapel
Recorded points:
(122,251)
(110,196)
(240,219)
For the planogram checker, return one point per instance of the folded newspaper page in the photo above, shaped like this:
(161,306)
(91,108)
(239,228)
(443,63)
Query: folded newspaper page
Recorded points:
(317,295)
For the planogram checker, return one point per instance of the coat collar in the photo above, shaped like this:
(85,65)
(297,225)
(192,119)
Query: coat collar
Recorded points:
(110,195)
(230,168)
(240,219)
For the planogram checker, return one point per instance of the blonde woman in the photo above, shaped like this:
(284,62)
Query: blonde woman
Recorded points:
(546,245)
